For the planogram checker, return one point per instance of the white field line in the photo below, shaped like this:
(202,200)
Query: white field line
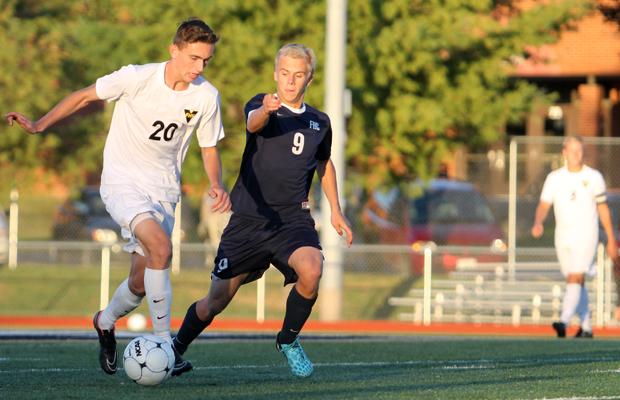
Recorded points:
(444,364)
(582,398)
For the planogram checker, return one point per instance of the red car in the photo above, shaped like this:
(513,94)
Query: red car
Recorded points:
(445,212)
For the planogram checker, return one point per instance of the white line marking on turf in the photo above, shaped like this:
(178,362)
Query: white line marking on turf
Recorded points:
(459,367)
(44,370)
(582,398)
(446,364)
(606,371)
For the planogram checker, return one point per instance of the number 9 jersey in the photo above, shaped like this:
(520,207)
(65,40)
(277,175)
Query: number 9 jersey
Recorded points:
(152,126)
(279,162)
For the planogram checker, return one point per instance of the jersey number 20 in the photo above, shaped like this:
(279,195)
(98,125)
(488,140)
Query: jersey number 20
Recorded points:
(298,143)
(168,131)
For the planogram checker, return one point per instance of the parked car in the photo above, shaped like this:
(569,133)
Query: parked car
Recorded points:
(445,212)
(85,218)
(4,238)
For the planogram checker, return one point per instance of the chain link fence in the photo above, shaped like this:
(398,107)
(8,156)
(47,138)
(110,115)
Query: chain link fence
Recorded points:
(81,234)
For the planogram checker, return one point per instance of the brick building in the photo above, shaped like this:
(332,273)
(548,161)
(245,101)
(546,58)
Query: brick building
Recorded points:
(583,67)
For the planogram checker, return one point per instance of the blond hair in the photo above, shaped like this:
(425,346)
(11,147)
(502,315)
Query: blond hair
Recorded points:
(296,50)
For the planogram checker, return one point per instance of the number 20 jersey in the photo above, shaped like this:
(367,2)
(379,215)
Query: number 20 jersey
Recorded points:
(152,126)
(279,161)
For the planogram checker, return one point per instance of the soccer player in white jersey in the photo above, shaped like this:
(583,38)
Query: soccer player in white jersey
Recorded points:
(577,193)
(157,108)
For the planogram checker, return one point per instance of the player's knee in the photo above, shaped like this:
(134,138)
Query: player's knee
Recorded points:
(308,280)
(311,270)
(160,253)
(313,274)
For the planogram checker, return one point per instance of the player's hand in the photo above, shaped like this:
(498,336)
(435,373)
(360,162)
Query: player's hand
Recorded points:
(22,121)
(537,230)
(341,225)
(271,103)
(221,200)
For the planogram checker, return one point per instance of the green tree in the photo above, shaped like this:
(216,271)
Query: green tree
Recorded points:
(429,75)
(426,75)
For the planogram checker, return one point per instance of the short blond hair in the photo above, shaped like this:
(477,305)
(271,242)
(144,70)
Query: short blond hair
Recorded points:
(296,50)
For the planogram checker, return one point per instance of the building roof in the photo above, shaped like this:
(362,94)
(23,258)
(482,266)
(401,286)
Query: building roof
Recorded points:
(592,48)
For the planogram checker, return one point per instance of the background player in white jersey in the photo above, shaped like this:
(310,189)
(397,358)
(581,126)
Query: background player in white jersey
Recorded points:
(286,142)
(577,193)
(158,107)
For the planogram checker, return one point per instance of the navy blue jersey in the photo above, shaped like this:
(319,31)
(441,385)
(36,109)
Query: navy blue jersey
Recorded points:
(279,162)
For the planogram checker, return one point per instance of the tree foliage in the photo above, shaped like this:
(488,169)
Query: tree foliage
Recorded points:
(426,75)
(429,75)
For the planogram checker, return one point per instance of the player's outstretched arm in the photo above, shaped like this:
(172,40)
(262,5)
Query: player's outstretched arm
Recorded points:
(541,214)
(213,168)
(67,106)
(327,175)
(259,117)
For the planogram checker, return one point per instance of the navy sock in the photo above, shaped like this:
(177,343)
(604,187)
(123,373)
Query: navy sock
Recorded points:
(190,329)
(298,309)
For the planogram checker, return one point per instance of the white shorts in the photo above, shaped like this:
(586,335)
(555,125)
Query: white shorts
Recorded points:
(129,206)
(576,259)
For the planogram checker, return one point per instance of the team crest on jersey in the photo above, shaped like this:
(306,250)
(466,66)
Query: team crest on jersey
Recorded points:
(189,115)
(315,125)
(585,183)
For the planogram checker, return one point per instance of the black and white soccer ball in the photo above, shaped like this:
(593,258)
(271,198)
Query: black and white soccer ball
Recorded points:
(148,360)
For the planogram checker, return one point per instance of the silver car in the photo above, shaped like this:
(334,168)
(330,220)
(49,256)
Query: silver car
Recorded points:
(4,238)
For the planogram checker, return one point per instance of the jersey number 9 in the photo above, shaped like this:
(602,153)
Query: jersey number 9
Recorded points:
(298,143)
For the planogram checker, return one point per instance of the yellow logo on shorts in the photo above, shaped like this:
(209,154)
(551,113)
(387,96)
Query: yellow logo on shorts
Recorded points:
(189,115)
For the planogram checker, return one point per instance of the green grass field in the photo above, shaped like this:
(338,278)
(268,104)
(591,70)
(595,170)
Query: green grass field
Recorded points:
(381,368)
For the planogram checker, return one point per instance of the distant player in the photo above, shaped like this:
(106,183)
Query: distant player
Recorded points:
(158,107)
(577,193)
(286,141)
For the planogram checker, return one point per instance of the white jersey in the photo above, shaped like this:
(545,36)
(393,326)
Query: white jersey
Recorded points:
(575,196)
(152,126)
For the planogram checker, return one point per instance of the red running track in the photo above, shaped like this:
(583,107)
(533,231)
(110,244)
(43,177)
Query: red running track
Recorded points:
(349,327)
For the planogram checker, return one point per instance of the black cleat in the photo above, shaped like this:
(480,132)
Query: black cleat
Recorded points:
(181,366)
(107,347)
(560,329)
(581,334)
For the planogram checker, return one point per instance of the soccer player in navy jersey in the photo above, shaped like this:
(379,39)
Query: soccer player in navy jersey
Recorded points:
(286,142)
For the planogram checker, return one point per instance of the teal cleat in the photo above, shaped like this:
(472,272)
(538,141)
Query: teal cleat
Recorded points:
(297,358)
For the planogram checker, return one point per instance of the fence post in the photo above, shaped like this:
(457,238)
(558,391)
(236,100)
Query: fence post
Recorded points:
(104,290)
(260,299)
(600,283)
(13,226)
(512,209)
(176,240)
(609,308)
(428,268)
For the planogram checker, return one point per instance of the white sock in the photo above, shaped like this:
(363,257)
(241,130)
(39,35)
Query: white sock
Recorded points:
(570,301)
(159,297)
(122,303)
(583,310)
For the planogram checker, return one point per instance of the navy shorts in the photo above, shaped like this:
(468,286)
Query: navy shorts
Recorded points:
(251,245)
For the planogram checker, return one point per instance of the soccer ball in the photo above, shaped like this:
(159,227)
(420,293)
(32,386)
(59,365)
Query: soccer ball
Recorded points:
(148,360)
